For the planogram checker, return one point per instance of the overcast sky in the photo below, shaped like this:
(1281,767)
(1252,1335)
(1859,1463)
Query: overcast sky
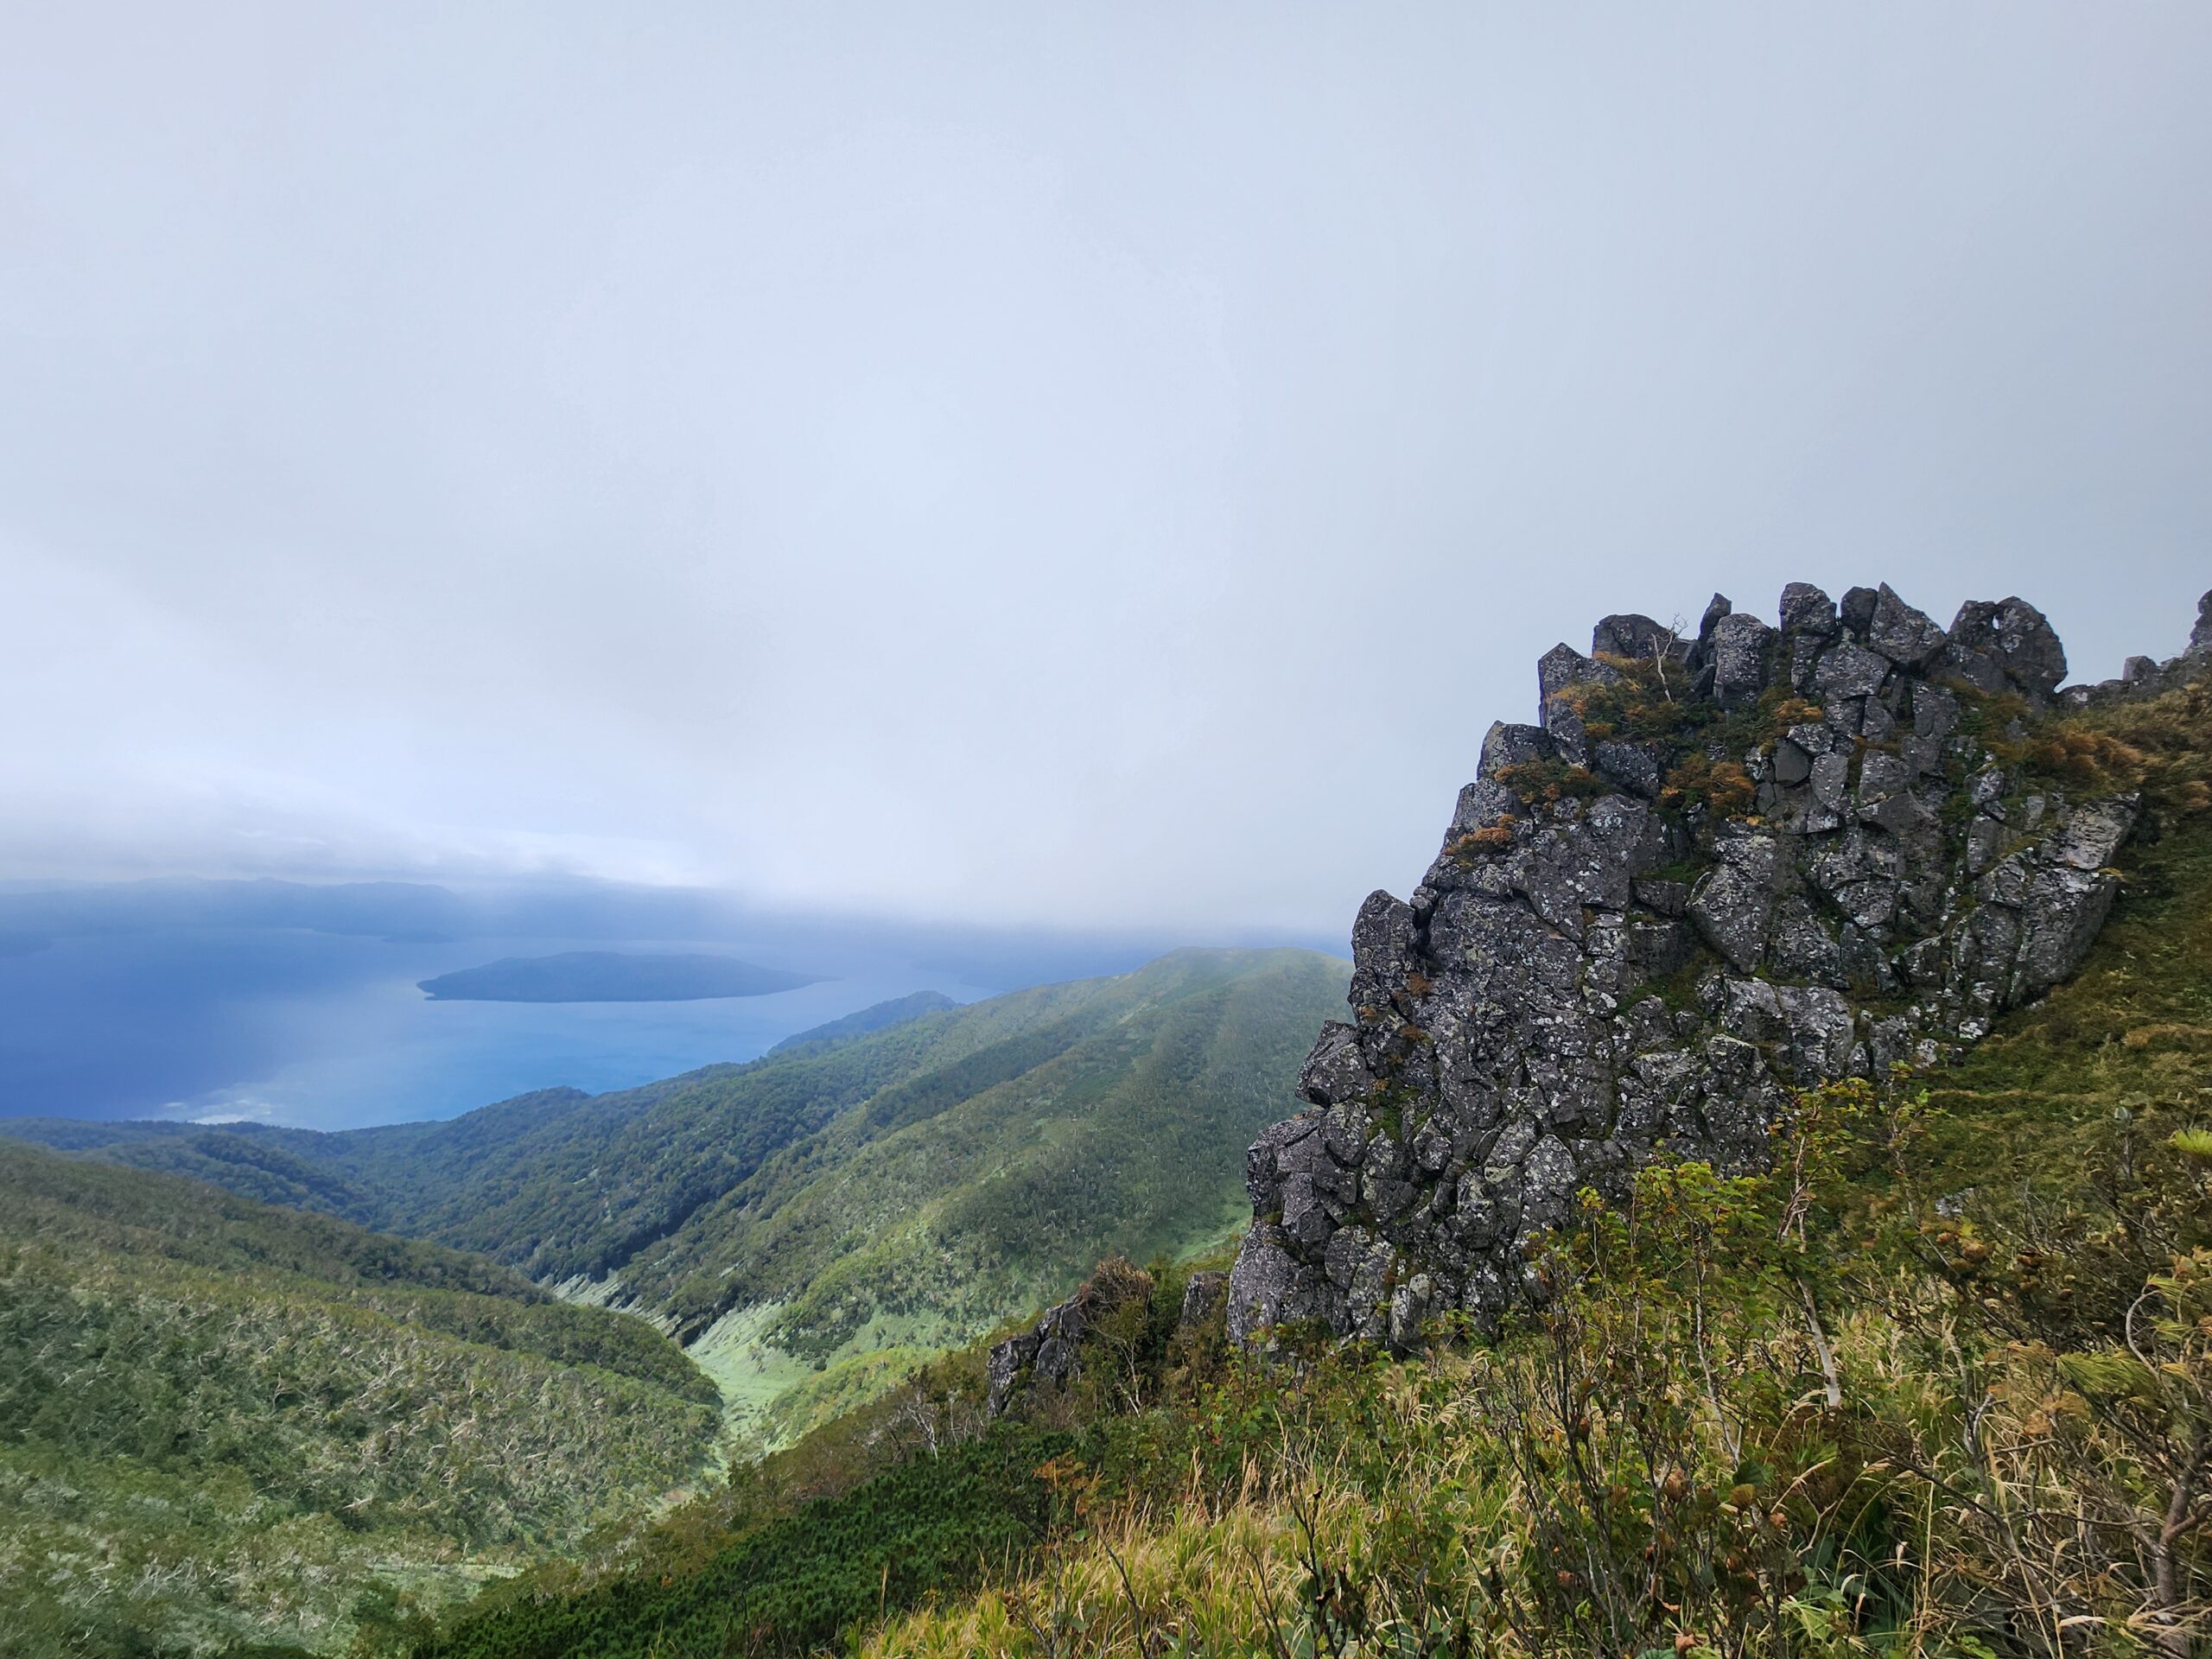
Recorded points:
(1085,462)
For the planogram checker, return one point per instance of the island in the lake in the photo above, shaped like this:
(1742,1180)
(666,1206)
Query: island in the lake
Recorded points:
(611,976)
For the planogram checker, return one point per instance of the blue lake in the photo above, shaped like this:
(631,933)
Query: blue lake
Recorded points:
(329,1031)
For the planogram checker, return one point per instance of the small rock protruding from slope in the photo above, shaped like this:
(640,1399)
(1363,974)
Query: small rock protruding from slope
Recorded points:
(1049,1357)
(1203,1297)
(1629,948)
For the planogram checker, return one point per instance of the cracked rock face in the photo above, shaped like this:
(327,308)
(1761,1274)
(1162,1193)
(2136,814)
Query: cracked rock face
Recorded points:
(1591,977)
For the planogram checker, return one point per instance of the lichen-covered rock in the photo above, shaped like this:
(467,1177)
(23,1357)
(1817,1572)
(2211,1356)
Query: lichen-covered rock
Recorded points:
(2007,644)
(1809,612)
(1636,637)
(1742,646)
(1535,1019)
(1895,629)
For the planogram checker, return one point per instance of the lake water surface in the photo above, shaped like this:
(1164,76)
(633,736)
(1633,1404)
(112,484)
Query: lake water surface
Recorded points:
(329,1031)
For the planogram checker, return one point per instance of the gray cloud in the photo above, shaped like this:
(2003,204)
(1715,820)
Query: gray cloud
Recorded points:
(1106,463)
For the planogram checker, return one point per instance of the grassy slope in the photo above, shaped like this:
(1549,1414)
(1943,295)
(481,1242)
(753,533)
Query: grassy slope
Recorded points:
(791,1584)
(2131,1031)
(1412,1478)
(222,1422)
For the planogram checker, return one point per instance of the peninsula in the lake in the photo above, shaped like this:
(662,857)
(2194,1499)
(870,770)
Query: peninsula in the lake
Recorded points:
(611,976)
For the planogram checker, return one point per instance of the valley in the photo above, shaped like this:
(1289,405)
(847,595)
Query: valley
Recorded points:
(850,1204)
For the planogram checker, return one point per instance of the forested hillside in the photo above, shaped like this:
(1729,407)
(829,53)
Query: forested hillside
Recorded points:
(825,1216)
(223,1424)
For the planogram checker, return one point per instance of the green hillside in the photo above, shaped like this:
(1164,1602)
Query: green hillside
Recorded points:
(1937,1383)
(223,1424)
(969,1191)
(818,1220)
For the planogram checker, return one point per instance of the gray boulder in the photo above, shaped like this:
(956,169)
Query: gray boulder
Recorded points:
(1908,638)
(1807,611)
(1856,611)
(2007,644)
(1637,637)
(1742,649)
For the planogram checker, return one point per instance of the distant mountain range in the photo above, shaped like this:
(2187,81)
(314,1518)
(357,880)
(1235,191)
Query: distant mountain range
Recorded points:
(871,1192)
(612,976)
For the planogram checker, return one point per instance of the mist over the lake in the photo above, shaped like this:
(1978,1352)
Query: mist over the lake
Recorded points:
(985,463)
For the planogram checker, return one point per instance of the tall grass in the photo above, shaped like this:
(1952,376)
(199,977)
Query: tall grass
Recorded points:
(1800,1413)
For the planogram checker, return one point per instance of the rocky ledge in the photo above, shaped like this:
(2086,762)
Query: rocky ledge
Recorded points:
(1720,869)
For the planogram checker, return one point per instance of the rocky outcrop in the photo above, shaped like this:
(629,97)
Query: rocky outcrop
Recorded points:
(2146,676)
(1204,1296)
(1717,870)
(1049,1357)
(1105,1323)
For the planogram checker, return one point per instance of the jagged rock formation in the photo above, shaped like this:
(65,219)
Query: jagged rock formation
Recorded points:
(1719,870)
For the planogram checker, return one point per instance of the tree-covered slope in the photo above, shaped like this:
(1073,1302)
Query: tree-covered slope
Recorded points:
(225,1423)
(938,1208)
(561,1184)
(854,1202)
